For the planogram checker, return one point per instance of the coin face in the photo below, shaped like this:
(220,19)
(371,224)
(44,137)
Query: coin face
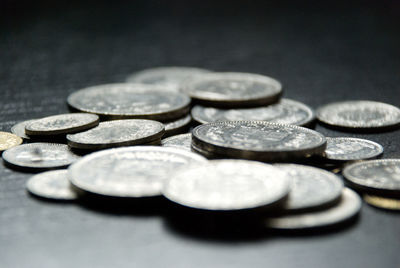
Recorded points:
(227,185)
(117,133)
(181,141)
(61,124)
(40,156)
(258,140)
(8,140)
(375,175)
(19,129)
(130,101)
(382,202)
(53,185)
(348,207)
(284,112)
(233,89)
(350,149)
(359,115)
(177,126)
(311,187)
(129,172)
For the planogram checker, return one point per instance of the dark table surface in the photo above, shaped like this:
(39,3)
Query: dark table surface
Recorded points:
(338,51)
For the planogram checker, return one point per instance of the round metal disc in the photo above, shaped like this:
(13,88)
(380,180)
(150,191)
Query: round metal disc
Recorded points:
(181,141)
(177,126)
(19,129)
(8,140)
(382,202)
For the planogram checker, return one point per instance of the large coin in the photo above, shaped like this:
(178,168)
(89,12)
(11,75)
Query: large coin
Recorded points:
(130,101)
(181,141)
(382,202)
(348,207)
(362,115)
(285,112)
(129,172)
(233,89)
(228,185)
(117,133)
(177,126)
(258,140)
(19,129)
(8,140)
(40,156)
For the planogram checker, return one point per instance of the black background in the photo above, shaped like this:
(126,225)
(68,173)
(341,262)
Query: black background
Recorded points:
(327,52)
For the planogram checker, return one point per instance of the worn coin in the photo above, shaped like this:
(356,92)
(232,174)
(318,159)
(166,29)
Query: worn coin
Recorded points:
(117,133)
(129,172)
(19,129)
(382,202)
(8,140)
(181,141)
(177,126)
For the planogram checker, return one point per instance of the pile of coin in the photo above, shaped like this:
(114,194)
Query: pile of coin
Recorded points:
(251,150)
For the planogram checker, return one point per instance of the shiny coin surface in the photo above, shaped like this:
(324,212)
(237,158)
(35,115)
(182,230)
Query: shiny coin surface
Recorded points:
(258,140)
(181,141)
(8,140)
(367,115)
(53,185)
(117,133)
(61,124)
(40,156)
(382,202)
(130,101)
(233,89)
(348,207)
(19,129)
(351,149)
(311,187)
(177,126)
(129,172)
(285,112)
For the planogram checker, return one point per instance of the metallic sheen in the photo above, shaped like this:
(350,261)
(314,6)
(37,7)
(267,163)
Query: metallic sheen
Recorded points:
(351,149)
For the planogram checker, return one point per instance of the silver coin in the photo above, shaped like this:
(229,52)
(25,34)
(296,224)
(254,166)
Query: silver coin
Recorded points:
(233,89)
(375,175)
(19,129)
(40,156)
(181,141)
(227,185)
(285,112)
(258,140)
(360,115)
(117,133)
(348,207)
(351,149)
(311,187)
(129,172)
(61,124)
(53,185)
(177,126)
(130,101)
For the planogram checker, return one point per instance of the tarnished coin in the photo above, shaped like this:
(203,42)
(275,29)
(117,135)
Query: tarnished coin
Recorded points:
(117,133)
(284,112)
(227,185)
(382,202)
(181,141)
(40,155)
(360,115)
(311,187)
(351,149)
(8,140)
(129,172)
(348,207)
(177,126)
(375,175)
(258,140)
(19,129)
(53,185)
(121,101)
(233,89)
(61,124)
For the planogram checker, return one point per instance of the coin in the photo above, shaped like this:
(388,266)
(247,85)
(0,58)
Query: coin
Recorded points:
(61,124)
(359,115)
(258,140)
(348,207)
(8,140)
(177,126)
(382,202)
(181,141)
(129,172)
(233,89)
(40,155)
(117,133)
(122,101)
(19,129)
(351,149)
(284,112)
(227,185)
(53,185)
(382,176)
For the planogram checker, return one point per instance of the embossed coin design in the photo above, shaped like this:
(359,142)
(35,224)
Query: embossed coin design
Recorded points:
(19,129)
(181,141)
(8,140)
(382,202)
(177,126)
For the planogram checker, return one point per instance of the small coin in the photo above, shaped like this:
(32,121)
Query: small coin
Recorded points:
(19,129)
(53,185)
(360,115)
(129,172)
(348,207)
(40,156)
(177,126)
(8,140)
(181,141)
(233,89)
(351,149)
(117,133)
(136,101)
(284,112)
(382,202)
